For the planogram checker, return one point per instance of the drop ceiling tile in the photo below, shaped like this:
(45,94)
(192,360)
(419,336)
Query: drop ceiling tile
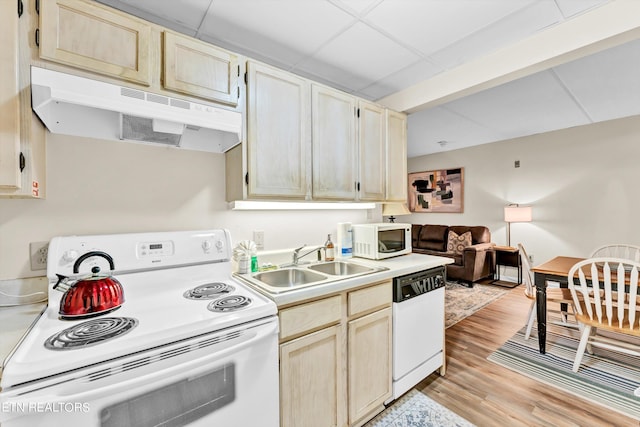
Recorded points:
(183,16)
(516,26)
(399,80)
(335,76)
(534,104)
(606,84)
(427,127)
(357,6)
(430,25)
(362,52)
(570,8)
(287,30)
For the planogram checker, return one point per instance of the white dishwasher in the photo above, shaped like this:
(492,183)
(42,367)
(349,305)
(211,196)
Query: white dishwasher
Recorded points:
(418,327)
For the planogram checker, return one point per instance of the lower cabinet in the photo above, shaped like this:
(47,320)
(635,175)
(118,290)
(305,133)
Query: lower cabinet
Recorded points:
(335,358)
(369,342)
(311,380)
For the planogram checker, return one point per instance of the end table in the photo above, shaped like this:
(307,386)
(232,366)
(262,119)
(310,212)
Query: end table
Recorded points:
(509,257)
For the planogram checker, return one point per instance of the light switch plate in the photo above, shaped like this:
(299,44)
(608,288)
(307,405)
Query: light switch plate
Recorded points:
(258,239)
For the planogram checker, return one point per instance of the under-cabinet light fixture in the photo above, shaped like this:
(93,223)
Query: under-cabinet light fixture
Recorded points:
(255,205)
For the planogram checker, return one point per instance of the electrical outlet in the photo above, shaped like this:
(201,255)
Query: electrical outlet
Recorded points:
(258,239)
(39,252)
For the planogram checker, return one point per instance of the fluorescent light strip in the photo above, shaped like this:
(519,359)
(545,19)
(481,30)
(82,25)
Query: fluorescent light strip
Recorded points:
(248,205)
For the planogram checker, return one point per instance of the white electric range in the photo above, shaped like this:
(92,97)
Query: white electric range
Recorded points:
(189,345)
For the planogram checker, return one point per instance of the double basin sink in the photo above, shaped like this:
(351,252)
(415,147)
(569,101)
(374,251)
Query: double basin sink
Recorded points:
(294,277)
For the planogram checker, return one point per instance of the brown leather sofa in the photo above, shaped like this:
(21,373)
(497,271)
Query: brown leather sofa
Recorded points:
(476,261)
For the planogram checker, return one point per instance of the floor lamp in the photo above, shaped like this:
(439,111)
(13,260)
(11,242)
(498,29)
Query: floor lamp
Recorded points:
(516,213)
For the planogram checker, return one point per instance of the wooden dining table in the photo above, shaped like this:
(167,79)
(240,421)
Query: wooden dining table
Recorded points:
(554,270)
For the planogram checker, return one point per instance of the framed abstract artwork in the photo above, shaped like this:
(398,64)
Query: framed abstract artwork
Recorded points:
(437,191)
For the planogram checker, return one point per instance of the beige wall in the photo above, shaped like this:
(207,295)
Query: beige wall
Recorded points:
(101,187)
(583,184)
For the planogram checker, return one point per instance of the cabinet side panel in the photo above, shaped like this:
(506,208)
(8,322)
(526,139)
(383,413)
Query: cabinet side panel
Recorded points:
(9,98)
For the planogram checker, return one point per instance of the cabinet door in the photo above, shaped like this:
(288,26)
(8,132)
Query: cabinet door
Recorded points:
(278,133)
(311,380)
(9,98)
(95,38)
(199,69)
(371,138)
(396,157)
(369,365)
(334,144)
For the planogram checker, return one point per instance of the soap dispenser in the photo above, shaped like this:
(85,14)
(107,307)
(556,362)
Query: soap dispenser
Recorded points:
(329,251)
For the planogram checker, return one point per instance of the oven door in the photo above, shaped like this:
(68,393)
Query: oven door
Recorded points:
(226,378)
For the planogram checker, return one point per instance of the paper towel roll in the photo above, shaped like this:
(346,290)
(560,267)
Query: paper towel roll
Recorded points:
(345,240)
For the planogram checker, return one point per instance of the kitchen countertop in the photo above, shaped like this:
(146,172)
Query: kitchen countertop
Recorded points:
(396,266)
(15,322)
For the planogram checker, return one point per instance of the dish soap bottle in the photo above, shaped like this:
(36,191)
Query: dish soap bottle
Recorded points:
(329,251)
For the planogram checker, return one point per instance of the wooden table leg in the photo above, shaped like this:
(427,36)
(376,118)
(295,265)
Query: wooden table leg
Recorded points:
(541,307)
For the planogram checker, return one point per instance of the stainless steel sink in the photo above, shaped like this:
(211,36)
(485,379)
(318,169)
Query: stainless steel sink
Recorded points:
(297,277)
(289,277)
(341,268)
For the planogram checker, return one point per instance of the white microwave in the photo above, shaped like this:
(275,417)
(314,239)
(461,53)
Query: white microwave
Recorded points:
(381,240)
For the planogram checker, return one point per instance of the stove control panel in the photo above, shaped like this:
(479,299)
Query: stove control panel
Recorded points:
(135,251)
(155,249)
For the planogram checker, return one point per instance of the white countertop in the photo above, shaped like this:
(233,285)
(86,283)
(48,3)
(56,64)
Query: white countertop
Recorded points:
(397,266)
(15,321)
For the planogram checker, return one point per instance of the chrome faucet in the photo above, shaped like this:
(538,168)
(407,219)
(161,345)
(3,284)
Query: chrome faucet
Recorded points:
(297,255)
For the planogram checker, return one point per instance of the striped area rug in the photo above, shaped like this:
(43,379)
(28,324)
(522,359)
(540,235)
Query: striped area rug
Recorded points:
(605,377)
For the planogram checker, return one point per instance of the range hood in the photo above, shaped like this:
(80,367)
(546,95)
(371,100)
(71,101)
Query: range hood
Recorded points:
(73,105)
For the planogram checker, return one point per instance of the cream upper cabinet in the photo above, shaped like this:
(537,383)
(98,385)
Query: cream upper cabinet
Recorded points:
(396,157)
(94,38)
(9,98)
(199,69)
(334,144)
(278,134)
(372,149)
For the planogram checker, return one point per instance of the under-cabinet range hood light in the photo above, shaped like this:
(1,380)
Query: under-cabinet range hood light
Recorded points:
(73,105)
(258,205)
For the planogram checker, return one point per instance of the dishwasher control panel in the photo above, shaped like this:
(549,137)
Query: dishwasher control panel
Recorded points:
(418,283)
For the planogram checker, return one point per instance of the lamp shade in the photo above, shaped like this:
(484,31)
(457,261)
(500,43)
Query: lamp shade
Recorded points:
(515,213)
(395,209)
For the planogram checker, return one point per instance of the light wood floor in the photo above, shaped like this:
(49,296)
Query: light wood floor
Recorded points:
(487,394)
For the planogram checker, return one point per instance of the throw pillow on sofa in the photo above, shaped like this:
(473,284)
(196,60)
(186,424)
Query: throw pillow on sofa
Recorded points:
(456,243)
